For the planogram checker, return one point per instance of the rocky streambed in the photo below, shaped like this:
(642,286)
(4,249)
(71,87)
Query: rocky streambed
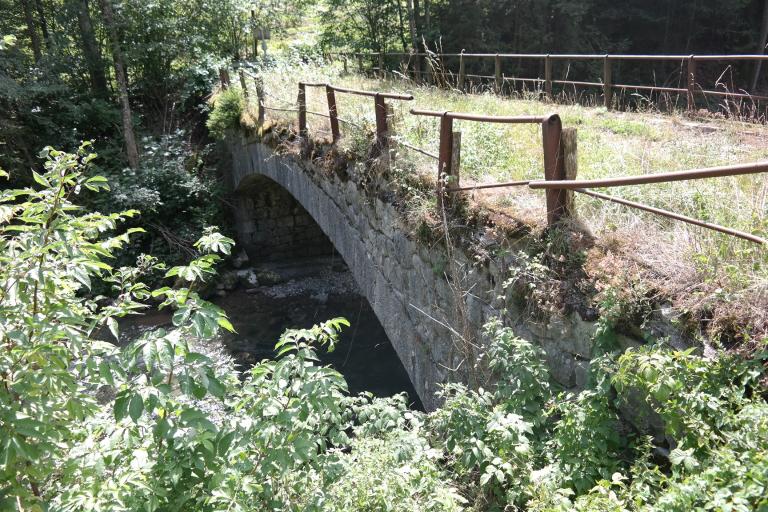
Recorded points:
(265,300)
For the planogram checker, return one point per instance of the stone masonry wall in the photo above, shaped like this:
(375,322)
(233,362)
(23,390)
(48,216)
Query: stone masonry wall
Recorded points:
(403,281)
(272,225)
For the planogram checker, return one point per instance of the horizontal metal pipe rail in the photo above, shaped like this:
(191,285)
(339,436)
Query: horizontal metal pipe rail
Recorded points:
(563,56)
(554,184)
(380,109)
(373,94)
(482,118)
(662,177)
(675,216)
(520,183)
(692,90)
(450,150)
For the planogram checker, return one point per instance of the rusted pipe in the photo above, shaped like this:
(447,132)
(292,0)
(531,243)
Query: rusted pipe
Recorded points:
(675,216)
(372,94)
(650,88)
(554,167)
(585,56)
(332,113)
(479,117)
(490,185)
(662,177)
(574,82)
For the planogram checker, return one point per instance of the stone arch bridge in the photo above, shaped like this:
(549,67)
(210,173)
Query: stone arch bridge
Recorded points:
(285,204)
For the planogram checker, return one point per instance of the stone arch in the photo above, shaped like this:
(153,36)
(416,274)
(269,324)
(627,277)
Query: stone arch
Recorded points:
(367,243)
(273,225)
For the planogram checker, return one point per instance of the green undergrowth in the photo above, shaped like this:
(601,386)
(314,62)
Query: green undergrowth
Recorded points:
(165,422)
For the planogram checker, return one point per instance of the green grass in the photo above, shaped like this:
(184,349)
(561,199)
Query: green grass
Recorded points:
(609,144)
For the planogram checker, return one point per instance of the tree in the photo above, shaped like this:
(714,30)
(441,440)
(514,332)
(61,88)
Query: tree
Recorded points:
(34,37)
(414,37)
(131,148)
(371,25)
(91,50)
(761,48)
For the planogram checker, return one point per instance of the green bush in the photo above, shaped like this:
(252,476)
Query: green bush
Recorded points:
(177,190)
(166,423)
(228,107)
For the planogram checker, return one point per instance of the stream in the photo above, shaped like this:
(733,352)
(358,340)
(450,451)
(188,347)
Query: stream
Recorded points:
(263,302)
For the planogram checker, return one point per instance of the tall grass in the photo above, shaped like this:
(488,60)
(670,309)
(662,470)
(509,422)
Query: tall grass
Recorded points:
(609,144)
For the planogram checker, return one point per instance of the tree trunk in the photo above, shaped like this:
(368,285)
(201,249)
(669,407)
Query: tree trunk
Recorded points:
(427,18)
(402,25)
(761,50)
(122,84)
(416,19)
(414,38)
(91,50)
(34,37)
(43,23)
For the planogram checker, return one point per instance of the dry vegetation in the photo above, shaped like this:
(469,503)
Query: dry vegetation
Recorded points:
(718,284)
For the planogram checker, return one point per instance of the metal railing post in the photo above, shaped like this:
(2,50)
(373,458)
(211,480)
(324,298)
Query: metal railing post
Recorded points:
(382,129)
(302,103)
(607,83)
(691,83)
(554,167)
(333,113)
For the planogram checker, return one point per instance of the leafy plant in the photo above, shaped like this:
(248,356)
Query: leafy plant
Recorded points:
(228,106)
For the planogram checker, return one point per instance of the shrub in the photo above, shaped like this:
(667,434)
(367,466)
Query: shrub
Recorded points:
(228,106)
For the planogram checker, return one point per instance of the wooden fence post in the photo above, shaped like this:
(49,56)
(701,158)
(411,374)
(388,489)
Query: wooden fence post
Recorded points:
(382,73)
(497,74)
(243,83)
(548,76)
(607,83)
(554,166)
(302,101)
(360,63)
(691,83)
(346,68)
(333,113)
(462,73)
(445,158)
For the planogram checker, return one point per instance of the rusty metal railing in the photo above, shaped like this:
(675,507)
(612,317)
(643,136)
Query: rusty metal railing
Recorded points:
(559,150)
(583,186)
(450,153)
(380,108)
(689,74)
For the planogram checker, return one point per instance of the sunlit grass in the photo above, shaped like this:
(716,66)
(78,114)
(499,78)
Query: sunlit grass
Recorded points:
(609,144)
